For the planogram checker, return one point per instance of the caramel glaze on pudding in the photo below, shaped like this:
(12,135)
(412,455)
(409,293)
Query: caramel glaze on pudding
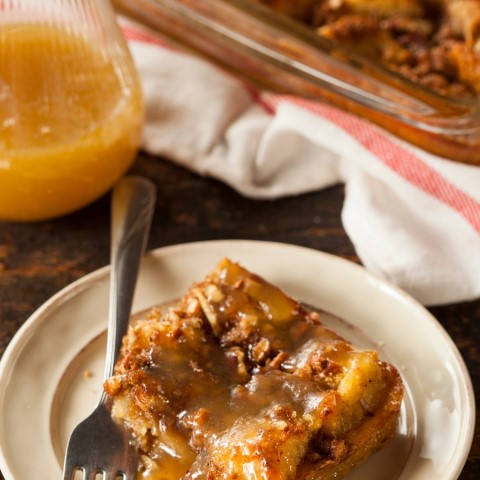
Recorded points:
(239,381)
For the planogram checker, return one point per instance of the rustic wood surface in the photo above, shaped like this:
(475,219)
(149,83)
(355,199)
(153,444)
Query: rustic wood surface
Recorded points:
(37,260)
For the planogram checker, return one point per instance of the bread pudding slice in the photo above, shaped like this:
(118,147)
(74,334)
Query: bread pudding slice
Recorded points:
(240,381)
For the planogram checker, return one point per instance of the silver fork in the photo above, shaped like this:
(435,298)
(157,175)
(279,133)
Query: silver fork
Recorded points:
(98,445)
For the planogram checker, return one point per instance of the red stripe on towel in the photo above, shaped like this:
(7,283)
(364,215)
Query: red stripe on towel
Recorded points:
(143,36)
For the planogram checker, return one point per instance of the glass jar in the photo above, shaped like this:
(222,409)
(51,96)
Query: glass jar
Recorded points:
(71,108)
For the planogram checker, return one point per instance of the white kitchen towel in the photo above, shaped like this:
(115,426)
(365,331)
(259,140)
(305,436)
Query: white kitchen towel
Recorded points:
(413,218)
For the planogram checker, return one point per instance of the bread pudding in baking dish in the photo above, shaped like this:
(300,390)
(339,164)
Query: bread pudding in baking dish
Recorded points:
(240,381)
(435,43)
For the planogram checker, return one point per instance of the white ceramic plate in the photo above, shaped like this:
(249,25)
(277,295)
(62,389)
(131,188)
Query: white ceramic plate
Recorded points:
(51,373)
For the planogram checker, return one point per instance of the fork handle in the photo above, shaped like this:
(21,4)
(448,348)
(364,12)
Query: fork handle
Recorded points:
(133,203)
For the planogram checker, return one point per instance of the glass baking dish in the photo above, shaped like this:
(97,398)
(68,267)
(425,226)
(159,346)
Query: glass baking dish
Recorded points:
(281,54)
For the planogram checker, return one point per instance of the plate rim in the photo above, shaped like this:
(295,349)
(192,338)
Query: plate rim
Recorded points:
(40,315)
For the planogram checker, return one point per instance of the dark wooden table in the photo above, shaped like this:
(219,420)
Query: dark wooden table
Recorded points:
(37,260)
